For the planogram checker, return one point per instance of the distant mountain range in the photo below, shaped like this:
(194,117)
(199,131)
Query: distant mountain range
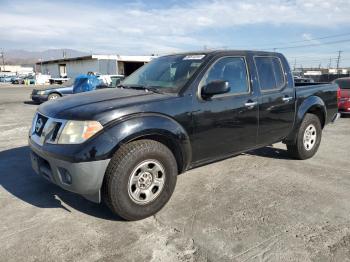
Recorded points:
(23,57)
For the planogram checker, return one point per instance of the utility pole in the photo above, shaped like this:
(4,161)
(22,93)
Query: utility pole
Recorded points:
(338,59)
(295,63)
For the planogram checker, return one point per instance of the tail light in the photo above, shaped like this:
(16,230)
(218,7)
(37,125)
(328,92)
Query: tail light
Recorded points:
(338,96)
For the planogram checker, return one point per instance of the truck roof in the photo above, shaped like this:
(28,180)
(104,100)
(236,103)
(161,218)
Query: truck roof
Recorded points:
(227,51)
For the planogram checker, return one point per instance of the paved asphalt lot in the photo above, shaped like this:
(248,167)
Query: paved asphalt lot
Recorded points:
(259,206)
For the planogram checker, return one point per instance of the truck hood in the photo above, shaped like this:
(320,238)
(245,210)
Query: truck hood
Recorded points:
(92,105)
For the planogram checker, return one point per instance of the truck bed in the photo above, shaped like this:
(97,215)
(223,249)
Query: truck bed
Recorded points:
(327,92)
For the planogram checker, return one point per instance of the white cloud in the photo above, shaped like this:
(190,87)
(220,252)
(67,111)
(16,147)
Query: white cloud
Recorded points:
(135,28)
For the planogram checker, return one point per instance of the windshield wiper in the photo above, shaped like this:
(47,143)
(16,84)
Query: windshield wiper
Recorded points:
(153,89)
(141,87)
(137,87)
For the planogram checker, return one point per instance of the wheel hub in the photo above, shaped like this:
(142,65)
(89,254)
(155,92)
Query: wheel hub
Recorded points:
(146,182)
(310,136)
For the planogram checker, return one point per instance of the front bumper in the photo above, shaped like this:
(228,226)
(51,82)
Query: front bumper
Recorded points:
(39,98)
(83,178)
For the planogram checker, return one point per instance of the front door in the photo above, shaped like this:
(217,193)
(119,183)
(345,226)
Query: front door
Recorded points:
(228,123)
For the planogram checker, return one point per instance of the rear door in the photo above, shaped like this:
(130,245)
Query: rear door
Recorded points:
(227,123)
(276,101)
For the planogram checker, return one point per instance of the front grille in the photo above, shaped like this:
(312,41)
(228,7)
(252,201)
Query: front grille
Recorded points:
(46,129)
(40,124)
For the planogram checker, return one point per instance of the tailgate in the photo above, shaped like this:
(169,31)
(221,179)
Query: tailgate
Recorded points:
(344,101)
(345,93)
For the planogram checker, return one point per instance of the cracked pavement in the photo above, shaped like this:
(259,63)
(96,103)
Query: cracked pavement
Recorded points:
(258,206)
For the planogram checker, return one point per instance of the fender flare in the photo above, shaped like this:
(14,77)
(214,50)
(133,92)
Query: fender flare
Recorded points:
(311,104)
(150,125)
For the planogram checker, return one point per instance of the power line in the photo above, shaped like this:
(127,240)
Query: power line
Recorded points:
(311,45)
(320,38)
(313,39)
(305,40)
(308,59)
(324,60)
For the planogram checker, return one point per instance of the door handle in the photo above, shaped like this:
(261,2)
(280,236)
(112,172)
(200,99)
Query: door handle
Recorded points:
(250,105)
(287,98)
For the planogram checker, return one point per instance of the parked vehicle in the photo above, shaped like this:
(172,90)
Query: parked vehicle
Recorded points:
(86,83)
(41,79)
(52,92)
(298,79)
(127,145)
(343,95)
(32,80)
(82,82)
(58,80)
(6,79)
(115,80)
(110,81)
(16,80)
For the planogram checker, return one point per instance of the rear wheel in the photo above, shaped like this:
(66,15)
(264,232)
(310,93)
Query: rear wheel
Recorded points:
(308,138)
(140,179)
(53,96)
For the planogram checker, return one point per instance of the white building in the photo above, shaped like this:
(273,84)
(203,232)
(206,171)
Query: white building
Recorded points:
(16,70)
(335,71)
(104,64)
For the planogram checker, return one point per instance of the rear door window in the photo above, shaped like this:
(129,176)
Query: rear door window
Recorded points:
(270,72)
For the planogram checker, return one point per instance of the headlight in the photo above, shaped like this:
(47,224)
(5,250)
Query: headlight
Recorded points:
(76,132)
(41,93)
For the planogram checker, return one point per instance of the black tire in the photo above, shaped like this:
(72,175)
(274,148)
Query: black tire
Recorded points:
(298,150)
(53,96)
(115,189)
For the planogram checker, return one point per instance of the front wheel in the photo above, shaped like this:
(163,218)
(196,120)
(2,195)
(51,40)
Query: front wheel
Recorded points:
(53,96)
(308,138)
(140,179)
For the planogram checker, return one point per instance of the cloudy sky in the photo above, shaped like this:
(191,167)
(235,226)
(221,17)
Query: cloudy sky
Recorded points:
(308,31)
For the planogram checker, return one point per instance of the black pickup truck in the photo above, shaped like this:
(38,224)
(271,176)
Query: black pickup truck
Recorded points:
(127,145)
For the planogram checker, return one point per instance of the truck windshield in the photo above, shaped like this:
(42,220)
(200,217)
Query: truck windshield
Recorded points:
(168,73)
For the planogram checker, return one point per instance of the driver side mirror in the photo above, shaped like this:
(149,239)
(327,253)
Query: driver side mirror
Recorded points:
(215,87)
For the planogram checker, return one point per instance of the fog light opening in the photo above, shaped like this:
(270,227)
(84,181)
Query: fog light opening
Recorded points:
(66,177)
